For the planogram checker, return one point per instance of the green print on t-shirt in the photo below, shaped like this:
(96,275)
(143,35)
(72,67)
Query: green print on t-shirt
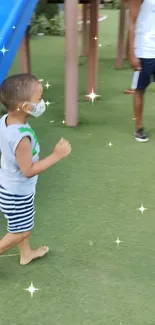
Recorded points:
(24,129)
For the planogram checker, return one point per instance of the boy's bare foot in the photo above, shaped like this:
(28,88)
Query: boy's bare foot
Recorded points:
(36,253)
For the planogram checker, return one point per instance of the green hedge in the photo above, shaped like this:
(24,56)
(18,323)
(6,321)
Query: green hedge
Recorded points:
(48,10)
(47,20)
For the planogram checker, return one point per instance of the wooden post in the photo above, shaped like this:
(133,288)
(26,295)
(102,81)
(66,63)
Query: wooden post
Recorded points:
(93,48)
(71,64)
(128,91)
(24,54)
(127,47)
(84,30)
(126,54)
(120,50)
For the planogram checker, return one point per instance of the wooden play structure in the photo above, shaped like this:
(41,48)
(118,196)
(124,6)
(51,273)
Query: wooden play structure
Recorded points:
(90,10)
(123,44)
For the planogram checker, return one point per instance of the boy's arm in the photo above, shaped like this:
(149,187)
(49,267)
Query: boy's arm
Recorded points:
(24,157)
(134,8)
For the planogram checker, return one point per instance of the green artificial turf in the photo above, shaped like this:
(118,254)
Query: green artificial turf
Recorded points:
(85,202)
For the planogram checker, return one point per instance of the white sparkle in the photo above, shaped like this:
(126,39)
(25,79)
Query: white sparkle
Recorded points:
(110,144)
(142,209)
(95,38)
(4,50)
(52,121)
(100,45)
(41,80)
(47,103)
(13,27)
(92,96)
(63,122)
(31,289)
(91,243)
(47,85)
(118,241)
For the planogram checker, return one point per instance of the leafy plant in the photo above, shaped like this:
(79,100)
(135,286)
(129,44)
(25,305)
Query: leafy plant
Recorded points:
(49,10)
(112,4)
(2,110)
(47,24)
(40,24)
(57,24)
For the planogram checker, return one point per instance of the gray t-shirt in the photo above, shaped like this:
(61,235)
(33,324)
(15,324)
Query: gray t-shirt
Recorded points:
(11,177)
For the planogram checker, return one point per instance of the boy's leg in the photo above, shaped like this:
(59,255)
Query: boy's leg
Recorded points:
(27,254)
(138,102)
(141,80)
(11,240)
(19,223)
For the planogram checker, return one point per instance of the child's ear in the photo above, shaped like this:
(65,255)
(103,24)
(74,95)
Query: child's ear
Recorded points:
(25,107)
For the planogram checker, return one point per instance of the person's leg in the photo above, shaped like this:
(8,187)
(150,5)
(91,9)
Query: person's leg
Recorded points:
(10,240)
(19,212)
(27,254)
(138,102)
(141,80)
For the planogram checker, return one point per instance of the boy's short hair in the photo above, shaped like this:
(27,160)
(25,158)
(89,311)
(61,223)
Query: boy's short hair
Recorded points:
(17,89)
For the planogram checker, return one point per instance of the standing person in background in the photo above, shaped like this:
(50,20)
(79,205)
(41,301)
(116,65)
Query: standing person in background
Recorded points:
(141,55)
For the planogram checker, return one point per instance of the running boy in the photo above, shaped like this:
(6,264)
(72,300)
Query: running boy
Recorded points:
(141,55)
(20,164)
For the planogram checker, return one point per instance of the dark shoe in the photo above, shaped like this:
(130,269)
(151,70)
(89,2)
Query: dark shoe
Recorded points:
(141,136)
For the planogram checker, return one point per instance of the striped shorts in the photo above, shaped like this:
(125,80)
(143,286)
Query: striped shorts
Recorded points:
(18,210)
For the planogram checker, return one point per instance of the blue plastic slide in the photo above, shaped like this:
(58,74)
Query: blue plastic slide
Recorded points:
(15,15)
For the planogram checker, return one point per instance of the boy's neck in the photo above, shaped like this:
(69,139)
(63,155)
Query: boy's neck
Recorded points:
(14,118)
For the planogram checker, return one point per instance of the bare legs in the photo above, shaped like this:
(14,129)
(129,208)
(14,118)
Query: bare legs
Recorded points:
(11,240)
(27,254)
(22,240)
(138,107)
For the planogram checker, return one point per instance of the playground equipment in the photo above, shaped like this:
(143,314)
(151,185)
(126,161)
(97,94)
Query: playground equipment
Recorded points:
(123,45)
(122,50)
(14,20)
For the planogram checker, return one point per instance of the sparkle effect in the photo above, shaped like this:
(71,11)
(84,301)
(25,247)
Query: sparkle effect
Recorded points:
(117,241)
(32,289)
(95,38)
(142,209)
(47,85)
(91,243)
(41,80)
(63,122)
(92,96)
(100,45)
(13,27)
(4,50)
(47,103)
(110,144)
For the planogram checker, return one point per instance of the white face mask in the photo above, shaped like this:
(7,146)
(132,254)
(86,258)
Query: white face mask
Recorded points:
(38,109)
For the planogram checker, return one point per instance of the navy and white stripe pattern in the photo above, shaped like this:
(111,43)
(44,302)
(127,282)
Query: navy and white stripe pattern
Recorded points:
(18,210)
(135,80)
